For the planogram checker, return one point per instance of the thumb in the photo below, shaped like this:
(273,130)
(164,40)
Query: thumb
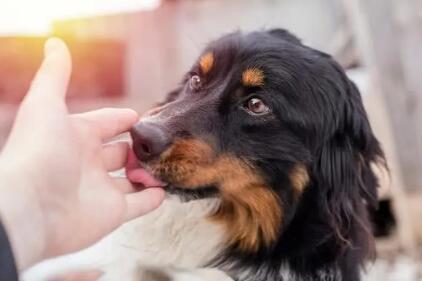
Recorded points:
(52,78)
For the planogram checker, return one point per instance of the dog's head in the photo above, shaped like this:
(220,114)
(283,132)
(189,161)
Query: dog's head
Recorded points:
(272,128)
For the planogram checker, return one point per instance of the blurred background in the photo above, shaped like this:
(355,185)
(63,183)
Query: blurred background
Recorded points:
(132,52)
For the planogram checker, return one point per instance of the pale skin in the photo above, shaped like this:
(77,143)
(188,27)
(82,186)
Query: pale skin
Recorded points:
(56,195)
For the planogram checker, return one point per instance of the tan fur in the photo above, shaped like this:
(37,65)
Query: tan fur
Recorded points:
(206,62)
(180,163)
(250,211)
(252,77)
(299,178)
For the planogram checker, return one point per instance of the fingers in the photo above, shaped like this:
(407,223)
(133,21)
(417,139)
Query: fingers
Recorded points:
(142,202)
(123,185)
(115,155)
(52,78)
(110,122)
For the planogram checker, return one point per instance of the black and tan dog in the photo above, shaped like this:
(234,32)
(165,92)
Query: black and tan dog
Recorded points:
(276,136)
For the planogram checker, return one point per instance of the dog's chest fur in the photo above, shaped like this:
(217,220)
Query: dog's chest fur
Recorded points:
(177,234)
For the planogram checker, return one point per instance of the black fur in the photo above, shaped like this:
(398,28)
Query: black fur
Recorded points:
(317,119)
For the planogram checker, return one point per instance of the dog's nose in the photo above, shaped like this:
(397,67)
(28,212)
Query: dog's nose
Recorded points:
(149,140)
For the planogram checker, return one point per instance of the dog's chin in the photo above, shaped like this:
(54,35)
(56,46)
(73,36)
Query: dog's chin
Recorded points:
(185,194)
(189,194)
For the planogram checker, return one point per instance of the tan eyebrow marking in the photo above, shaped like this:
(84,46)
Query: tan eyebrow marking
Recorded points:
(206,62)
(253,77)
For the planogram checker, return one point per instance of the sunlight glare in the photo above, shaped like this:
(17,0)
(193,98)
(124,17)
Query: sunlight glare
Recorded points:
(35,16)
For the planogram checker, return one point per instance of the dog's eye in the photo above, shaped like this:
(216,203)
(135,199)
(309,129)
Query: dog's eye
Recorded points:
(195,82)
(256,106)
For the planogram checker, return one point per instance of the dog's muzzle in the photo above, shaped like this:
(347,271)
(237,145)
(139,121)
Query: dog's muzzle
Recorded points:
(149,140)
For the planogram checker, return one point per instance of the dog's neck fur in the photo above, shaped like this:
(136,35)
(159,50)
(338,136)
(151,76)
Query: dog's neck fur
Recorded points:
(179,235)
(176,234)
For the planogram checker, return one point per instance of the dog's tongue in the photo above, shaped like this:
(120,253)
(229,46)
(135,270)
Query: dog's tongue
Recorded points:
(137,174)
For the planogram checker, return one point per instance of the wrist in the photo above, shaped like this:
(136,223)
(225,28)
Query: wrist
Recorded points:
(22,217)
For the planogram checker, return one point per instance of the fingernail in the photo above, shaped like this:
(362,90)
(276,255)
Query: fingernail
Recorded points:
(51,46)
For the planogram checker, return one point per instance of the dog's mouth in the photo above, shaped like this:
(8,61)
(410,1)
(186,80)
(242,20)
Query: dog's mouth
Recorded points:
(144,176)
(137,173)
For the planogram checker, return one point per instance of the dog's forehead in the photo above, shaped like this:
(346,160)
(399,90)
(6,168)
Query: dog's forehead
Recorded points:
(258,62)
(241,68)
(249,57)
(251,74)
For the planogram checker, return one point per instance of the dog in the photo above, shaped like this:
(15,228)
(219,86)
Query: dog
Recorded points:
(267,154)
(269,140)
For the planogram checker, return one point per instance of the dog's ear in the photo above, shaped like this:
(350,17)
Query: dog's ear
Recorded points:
(370,151)
(285,35)
(346,182)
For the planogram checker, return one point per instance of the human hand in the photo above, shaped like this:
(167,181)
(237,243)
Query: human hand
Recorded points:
(56,195)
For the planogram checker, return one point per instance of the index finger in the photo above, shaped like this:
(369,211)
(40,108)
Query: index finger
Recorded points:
(52,78)
(110,122)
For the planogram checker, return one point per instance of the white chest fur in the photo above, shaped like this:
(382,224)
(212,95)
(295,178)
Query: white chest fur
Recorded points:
(176,235)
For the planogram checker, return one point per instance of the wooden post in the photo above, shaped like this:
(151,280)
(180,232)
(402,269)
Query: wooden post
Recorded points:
(378,42)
